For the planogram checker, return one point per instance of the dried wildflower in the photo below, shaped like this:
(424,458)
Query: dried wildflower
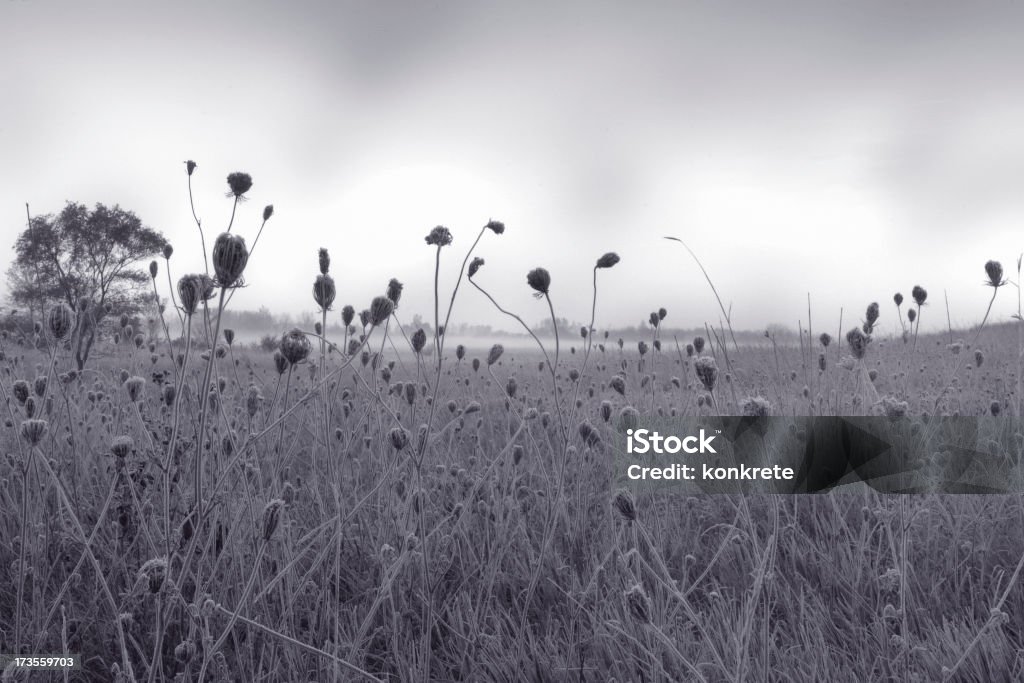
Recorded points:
(624,504)
(497,227)
(698,345)
(419,340)
(475,265)
(539,280)
(60,320)
(871,317)
(394,291)
(121,446)
(755,406)
(590,436)
(324,291)
(281,363)
(134,386)
(995,408)
(911,315)
(920,295)
(638,605)
(190,166)
(979,357)
(608,260)
(399,438)
(152,573)
(20,389)
(439,236)
(230,257)
(380,309)
(460,352)
(494,354)
(295,346)
(606,410)
(893,408)
(271,518)
(348,314)
(153,269)
(239,183)
(825,339)
(707,371)
(858,342)
(629,418)
(642,347)
(324,260)
(511,386)
(33,431)
(268,211)
(994,270)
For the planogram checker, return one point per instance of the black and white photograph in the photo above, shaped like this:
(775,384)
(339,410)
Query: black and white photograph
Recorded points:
(511,341)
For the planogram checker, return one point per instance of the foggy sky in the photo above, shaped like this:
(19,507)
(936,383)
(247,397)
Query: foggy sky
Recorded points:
(849,150)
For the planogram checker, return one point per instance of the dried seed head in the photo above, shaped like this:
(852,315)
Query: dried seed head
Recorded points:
(33,431)
(920,294)
(439,236)
(497,227)
(608,260)
(152,573)
(625,505)
(399,438)
(325,261)
(994,270)
(134,386)
(271,518)
(364,317)
(121,446)
(239,183)
(229,336)
(897,298)
(380,309)
(419,340)
(475,265)
(698,345)
(629,418)
(268,211)
(911,315)
(825,339)
(281,363)
(190,167)
(871,315)
(460,352)
(539,280)
(348,314)
(324,291)
(618,383)
(707,371)
(394,291)
(295,346)
(662,314)
(230,257)
(755,406)
(60,320)
(153,269)
(638,604)
(858,342)
(494,354)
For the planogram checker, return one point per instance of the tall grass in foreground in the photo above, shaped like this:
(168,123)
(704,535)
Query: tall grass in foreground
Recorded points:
(380,507)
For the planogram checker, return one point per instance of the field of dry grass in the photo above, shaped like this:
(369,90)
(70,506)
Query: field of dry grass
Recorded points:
(352,509)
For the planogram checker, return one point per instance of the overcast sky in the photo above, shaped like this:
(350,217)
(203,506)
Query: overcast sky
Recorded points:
(848,150)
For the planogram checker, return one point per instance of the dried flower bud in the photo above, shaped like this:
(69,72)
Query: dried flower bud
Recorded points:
(608,260)
(239,183)
(230,257)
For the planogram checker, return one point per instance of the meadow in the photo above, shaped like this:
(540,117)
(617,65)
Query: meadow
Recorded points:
(186,508)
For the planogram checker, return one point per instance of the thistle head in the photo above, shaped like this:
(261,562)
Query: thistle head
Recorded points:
(608,260)
(994,270)
(920,295)
(239,183)
(539,280)
(439,236)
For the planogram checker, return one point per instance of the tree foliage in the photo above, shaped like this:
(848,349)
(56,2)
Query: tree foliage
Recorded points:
(89,259)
